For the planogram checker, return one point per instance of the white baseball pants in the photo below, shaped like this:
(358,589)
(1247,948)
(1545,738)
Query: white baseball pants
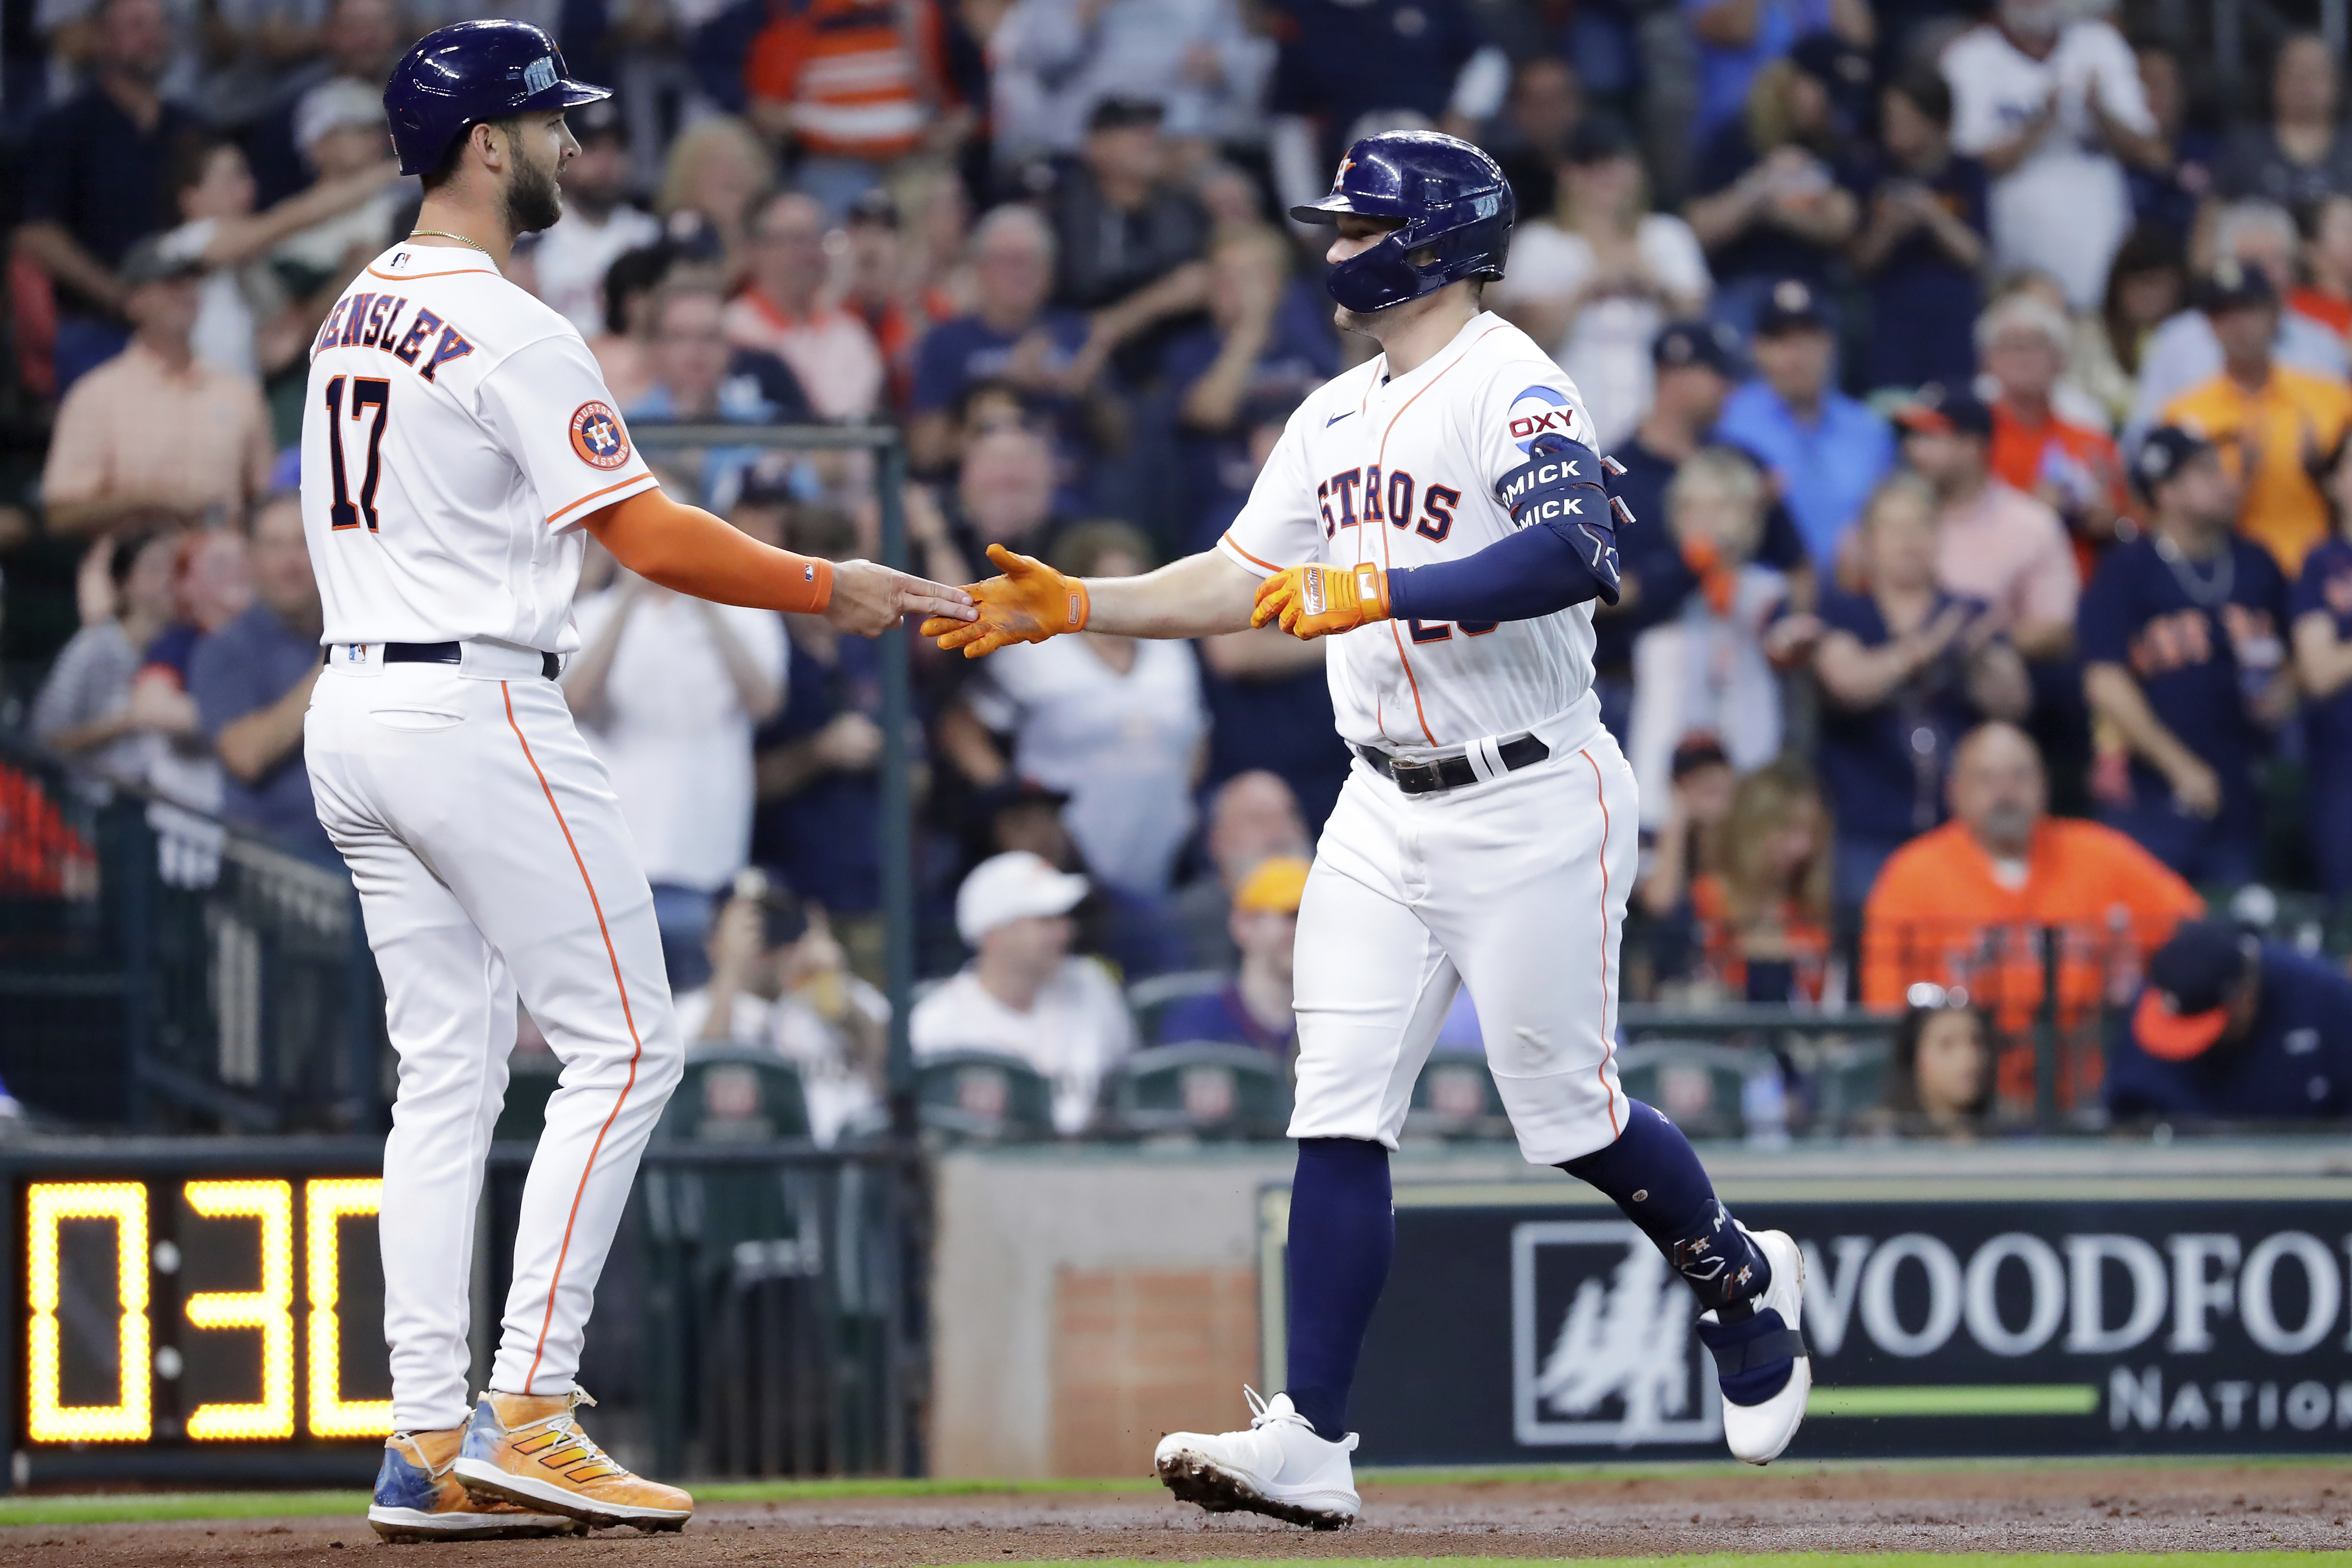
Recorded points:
(1516,886)
(491,860)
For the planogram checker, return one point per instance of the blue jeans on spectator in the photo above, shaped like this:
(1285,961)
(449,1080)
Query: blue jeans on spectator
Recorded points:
(85,342)
(683,916)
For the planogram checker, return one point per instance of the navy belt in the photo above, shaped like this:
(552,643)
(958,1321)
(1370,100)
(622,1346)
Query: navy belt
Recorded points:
(452,653)
(1449,772)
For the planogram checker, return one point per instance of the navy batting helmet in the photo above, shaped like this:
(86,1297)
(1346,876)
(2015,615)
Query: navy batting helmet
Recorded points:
(468,72)
(1452,203)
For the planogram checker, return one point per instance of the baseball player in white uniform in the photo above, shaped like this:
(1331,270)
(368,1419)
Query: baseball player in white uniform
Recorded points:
(1440,513)
(458,447)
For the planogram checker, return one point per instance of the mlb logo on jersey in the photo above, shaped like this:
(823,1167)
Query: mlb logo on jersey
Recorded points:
(597,436)
(1537,409)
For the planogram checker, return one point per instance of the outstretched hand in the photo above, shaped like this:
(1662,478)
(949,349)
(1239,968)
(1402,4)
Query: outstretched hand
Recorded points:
(1315,601)
(869,600)
(1030,603)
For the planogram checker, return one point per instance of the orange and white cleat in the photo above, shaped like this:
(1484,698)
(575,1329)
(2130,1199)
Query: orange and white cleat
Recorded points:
(528,1449)
(417,1497)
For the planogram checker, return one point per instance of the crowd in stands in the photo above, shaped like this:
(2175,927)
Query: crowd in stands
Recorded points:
(1980,376)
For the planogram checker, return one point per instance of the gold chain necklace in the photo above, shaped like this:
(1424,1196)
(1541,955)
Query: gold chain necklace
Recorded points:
(443,234)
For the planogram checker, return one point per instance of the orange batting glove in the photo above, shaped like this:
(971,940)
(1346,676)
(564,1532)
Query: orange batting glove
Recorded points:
(1315,601)
(1030,603)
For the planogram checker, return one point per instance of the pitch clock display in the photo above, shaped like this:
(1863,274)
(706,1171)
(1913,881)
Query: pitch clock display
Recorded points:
(200,1311)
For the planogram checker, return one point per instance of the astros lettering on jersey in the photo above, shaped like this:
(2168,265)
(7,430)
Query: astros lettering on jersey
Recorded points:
(1400,472)
(470,421)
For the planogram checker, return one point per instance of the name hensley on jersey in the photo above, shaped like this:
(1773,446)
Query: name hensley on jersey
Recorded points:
(366,320)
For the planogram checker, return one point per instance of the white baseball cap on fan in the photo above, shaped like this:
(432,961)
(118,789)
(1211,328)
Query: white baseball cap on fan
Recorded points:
(1015,885)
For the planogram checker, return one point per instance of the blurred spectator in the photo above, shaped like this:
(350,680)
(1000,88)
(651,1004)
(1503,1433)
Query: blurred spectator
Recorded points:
(1688,845)
(2257,242)
(1940,1078)
(1008,336)
(1907,668)
(599,226)
(1996,545)
(2167,196)
(359,41)
(698,375)
(1266,345)
(2184,663)
(246,323)
(1593,285)
(91,709)
(884,290)
(2072,469)
(716,172)
(1709,669)
(1004,495)
(340,127)
(1764,916)
(1825,451)
(784,311)
(2231,1029)
(851,85)
(2146,288)
(2301,153)
(156,431)
(1129,241)
(1023,994)
(668,690)
(1738,38)
(1344,63)
(1116,722)
(1529,138)
(2321,608)
(2273,422)
(94,181)
(819,820)
(778,981)
(1253,1007)
(623,349)
(1695,364)
(1052,60)
(1775,191)
(2325,294)
(251,681)
(1922,244)
(2050,100)
(1253,820)
(1966,905)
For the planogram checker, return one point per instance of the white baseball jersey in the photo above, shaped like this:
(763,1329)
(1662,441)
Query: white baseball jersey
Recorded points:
(457,434)
(1400,472)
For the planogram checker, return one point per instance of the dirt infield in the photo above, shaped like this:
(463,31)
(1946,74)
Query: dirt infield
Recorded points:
(1895,1509)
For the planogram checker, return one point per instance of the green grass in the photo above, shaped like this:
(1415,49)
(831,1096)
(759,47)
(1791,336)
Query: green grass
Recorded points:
(1767,1559)
(1958,1399)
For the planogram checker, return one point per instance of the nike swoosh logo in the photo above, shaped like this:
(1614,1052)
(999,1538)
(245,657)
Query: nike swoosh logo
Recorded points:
(1336,418)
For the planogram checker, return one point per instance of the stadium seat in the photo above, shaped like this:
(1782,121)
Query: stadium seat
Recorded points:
(1848,1077)
(531,1077)
(735,1094)
(1700,1085)
(1455,1098)
(981,1095)
(1149,1000)
(1205,1089)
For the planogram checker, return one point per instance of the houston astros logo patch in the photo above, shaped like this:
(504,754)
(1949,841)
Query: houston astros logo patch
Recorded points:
(597,436)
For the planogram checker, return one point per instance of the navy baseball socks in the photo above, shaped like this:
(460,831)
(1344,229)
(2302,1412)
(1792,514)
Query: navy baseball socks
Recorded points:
(1292,1461)
(1750,1284)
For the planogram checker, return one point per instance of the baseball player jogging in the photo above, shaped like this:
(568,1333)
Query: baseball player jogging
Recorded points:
(457,443)
(1439,512)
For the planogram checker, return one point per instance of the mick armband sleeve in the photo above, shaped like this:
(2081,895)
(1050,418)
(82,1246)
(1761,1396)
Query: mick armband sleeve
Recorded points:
(1564,551)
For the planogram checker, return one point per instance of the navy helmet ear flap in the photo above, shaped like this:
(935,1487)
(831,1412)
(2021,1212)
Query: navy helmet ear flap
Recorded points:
(1379,277)
(1451,199)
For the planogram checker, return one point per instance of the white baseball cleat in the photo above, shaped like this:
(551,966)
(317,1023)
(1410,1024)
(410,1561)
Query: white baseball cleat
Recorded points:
(1279,1468)
(1762,1409)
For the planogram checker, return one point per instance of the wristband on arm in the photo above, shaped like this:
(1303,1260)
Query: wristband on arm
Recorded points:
(686,548)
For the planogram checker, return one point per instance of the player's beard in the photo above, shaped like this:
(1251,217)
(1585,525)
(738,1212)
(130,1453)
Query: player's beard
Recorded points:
(534,200)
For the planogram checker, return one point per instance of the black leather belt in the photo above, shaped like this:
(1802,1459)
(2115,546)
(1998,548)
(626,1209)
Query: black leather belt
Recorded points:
(452,653)
(1449,772)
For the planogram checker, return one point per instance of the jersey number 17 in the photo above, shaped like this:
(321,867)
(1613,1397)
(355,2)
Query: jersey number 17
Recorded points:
(367,392)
